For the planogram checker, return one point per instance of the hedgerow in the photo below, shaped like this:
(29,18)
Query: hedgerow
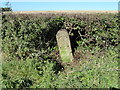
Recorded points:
(32,56)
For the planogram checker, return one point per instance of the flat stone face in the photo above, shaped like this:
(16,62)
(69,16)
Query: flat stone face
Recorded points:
(64,45)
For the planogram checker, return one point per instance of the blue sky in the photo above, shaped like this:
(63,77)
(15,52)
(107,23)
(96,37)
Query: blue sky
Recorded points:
(62,0)
(36,5)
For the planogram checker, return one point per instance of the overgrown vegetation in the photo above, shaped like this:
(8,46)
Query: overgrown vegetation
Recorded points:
(31,56)
(6,9)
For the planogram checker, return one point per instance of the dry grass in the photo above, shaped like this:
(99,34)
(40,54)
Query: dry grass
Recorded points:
(64,11)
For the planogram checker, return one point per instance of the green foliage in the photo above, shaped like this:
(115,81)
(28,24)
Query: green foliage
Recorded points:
(31,33)
(24,74)
(21,37)
(32,58)
(99,72)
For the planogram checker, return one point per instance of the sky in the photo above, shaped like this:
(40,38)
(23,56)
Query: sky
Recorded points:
(61,0)
(36,5)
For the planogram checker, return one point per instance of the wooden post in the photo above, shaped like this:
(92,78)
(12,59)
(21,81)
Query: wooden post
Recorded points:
(64,46)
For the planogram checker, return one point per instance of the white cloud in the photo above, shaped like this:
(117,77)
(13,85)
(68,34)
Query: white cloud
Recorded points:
(60,0)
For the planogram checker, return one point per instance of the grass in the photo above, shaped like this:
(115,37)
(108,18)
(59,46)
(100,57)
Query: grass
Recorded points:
(99,71)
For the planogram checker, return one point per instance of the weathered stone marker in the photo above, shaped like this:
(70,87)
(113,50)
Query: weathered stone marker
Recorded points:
(64,45)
